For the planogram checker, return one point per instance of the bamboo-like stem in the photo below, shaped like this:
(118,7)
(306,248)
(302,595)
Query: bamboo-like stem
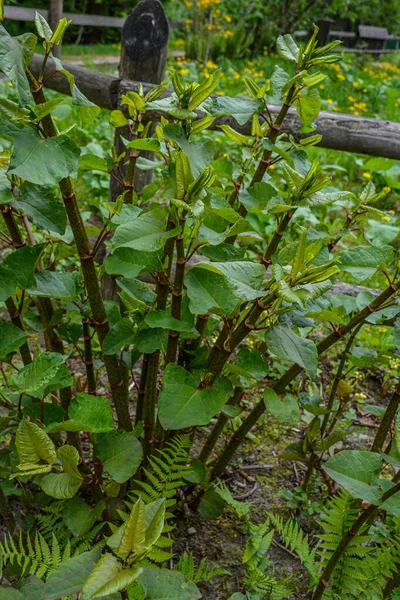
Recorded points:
(219,427)
(338,377)
(177,293)
(391,585)
(150,394)
(118,385)
(15,317)
(364,519)
(294,370)
(386,422)
(6,512)
(87,341)
(142,389)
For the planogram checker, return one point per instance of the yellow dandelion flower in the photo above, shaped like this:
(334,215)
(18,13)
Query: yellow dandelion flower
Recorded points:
(386,218)
(10,84)
(321,87)
(211,65)
(184,71)
(387,189)
(330,101)
(367,175)
(341,77)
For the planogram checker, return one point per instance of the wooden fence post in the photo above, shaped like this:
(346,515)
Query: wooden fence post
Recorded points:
(144,50)
(55,15)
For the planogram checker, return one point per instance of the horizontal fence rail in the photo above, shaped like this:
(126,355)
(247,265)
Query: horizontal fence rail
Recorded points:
(374,137)
(19,13)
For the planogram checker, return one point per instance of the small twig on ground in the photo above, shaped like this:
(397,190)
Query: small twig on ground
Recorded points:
(257,467)
(284,548)
(247,494)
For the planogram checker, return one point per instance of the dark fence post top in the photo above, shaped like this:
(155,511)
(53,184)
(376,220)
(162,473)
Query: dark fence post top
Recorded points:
(145,32)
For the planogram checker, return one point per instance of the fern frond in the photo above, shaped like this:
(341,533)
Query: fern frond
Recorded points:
(204,572)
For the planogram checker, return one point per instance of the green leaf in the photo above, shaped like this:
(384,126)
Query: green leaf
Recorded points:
(18,270)
(33,444)
(163,584)
(11,338)
(40,203)
(53,284)
(244,278)
(87,413)
(79,517)
(151,145)
(59,485)
(150,340)
(155,517)
(120,335)
(355,470)
(69,457)
(42,27)
(130,263)
(8,593)
(181,404)
(92,162)
(15,55)
(47,373)
(162,319)
(38,160)
(286,411)
(363,261)
(240,109)
(70,576)
(308,105)
(250,363)
(106,568)
(287,47)
(133,537)
(106,578)
(147,232)
(283,342)
(211,505)
(209,292)
(120,452)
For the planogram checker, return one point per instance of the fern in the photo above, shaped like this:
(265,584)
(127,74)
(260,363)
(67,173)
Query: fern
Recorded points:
(34,558)
(265,585)
(294,539)
(351,572)
(204,572)
(168,468)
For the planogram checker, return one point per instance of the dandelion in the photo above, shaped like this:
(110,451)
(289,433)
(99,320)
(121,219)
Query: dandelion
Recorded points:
(211,65)
(10,84)
(330,101)
(321,87)
(387,189)
(386,218)
(341,77)
(184,71)
(228,18)
(351,99)
(367,175)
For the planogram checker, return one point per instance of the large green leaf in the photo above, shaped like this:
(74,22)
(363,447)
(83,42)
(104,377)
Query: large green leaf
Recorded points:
(209,292)
(163,584)
(308,105)
(283,342)
(150,340)
(79,517)
(244,278)
(355,470)
(146,233)
(47,373)
(363,261)
(59,485)
(130,263)
(53,284)
(87,413)
(33,444)
(17,271)
(250,363)
(15,55)
(120,452)
(120,335)
(182,404)
(70,576)
(163,320)
(44,161)
(241,109)
(40,203)
(11,338)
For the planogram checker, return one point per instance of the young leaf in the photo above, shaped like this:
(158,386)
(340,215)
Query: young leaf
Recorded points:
(133,537)
(60,485)
(42,27)
(87,413)
(146,233)
(33,444)
(47,373)
(69,457)
(15,55)
(287,47)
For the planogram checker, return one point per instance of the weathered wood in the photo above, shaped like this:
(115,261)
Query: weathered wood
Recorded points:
(374,137)
(55,15)
(144,50)
(19,13)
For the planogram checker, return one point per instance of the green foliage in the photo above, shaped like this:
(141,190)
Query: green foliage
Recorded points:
(204,572)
